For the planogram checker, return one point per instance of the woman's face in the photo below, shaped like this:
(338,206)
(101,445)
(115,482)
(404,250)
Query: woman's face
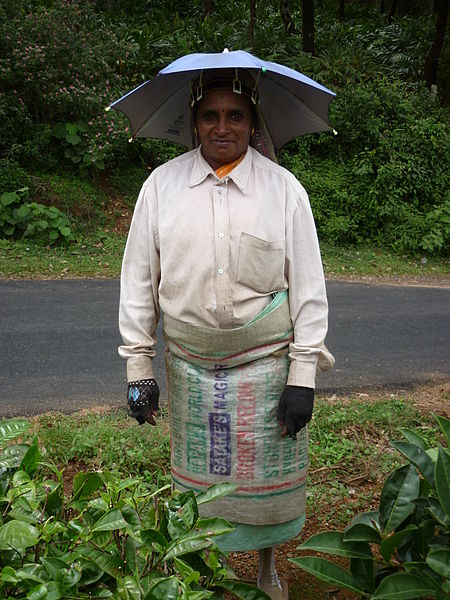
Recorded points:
(224,121)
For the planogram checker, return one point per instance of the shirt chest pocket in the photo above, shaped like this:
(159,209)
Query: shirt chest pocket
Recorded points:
(261,263)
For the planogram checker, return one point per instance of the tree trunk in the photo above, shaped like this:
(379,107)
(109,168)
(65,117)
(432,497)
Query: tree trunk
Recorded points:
(431,63)
(382,7)
(394,5)
(286,16)
(208,7)
(252,22)
(342,10)
(308,25)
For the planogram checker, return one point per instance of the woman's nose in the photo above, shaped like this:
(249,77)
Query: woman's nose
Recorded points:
(222,123)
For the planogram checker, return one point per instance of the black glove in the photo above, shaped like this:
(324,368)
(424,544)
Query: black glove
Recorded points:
(295,409)
(142,397)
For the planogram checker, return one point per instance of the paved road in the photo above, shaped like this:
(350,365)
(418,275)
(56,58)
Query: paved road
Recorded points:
(58,342)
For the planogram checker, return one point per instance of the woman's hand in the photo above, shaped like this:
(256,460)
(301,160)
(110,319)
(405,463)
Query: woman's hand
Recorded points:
(295,409)
(143,400)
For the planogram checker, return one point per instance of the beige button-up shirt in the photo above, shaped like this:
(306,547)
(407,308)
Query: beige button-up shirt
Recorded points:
(212,251)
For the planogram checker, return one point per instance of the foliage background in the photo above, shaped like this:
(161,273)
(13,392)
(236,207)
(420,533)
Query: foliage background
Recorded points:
(383,179)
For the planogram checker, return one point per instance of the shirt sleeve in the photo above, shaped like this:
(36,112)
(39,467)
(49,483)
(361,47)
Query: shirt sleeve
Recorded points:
(307,293)
(139,282)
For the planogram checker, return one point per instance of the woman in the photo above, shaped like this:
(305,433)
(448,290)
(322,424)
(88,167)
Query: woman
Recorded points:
(223,242)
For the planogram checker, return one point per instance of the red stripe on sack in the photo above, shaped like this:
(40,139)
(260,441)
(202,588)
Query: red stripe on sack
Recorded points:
(261,488)
(222,358)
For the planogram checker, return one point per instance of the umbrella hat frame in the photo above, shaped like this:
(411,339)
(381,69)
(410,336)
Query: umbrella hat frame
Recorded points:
(292,104)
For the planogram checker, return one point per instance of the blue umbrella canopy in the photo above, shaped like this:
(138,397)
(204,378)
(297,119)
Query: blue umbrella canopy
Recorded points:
(292,104)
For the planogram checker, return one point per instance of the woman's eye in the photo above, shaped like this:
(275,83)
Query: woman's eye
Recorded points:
(237,116)
(209,116)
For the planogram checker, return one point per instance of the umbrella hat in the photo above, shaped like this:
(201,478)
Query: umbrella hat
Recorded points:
(292,104)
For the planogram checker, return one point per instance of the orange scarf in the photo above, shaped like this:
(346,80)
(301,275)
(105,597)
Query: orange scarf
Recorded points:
(225,169)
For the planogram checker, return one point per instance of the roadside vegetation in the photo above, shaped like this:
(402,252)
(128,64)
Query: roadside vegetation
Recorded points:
(81,493)
(69,176)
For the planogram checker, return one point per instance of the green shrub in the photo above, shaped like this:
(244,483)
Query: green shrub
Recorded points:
(403,549)
(111,538)
(12,176)
(30,219)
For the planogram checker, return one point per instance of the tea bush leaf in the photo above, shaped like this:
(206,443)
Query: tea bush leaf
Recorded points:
(390,544)
(332,542)
(243,590)
(444,424)
(110,521)
(418,457)
(361,532)
(153,539)
(31,459)
(414,438)
(17,535)
(165,589)
(218,490)
(11,429)
(105,561)
(329,572)
(442,476)
(186,546)
(439,561)
(400,488)
(402,586)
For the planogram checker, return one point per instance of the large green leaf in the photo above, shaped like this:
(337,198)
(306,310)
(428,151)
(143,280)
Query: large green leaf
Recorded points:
(182,512)
(439,561)
(18,535)
(329,572)
(104,560)
(12,456)
(218,490)
(153,539)
(11,429)
(362,570)
(435,508)
(31,459)
(360,532)
(332,542)
(444,424)
(442,478)
(242,590)
(38,592)
(400,488)
(128,588)
(390,543)
(165,589)
(180,547)
(110,521)
(212,526)
(402,586)
(84,484)
(418,457)
(414,438)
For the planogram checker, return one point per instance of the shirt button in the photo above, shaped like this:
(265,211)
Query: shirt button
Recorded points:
(221,235)
(220,271)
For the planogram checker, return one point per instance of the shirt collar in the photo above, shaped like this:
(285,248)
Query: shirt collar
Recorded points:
(239,175)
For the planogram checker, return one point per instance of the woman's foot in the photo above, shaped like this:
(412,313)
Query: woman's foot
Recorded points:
(275,591)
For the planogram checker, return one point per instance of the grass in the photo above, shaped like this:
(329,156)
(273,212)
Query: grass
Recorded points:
(100,212)
(99,254)
(363,261)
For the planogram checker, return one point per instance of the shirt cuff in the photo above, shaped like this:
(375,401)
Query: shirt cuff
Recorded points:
(139,367)
(302,374)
